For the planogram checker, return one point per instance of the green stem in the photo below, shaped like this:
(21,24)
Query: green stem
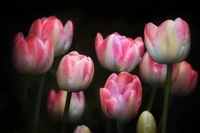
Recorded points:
(119,127)
(66,112)
(152,97)
(166,99)
(159,125)
(38,102)
(24,97)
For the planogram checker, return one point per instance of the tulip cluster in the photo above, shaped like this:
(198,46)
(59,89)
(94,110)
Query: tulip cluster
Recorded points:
(162,65)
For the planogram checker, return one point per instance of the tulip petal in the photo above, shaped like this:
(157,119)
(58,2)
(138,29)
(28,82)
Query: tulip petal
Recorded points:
(36,28)
(51,97)
(20,57)
(124,78)
(149,34)
(113,77)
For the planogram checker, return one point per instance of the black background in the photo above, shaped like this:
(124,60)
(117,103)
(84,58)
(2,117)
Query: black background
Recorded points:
(127,18)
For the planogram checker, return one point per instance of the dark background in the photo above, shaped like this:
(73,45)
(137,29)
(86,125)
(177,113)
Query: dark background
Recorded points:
(125,17)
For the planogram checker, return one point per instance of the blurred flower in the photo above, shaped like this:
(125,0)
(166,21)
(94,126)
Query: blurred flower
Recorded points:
(153,73)
(169,42)
(118,53)
(32,55)
(121,96)
(56,105)
(146,123)
(75,72)
(185,81)
(82,129)
(52,28)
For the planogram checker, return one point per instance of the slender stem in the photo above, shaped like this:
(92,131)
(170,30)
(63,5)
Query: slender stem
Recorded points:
(38,102)
(159,125)
(24,97)
(166,99)
(152,97)
(66,111)
(119,127)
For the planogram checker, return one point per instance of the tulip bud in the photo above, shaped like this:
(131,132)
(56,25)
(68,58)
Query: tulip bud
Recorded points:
(146,123)
(118,53)
(75,72)
(185,81)
(121,96)
(53,29)
(32,54)
(82,129)
(168,43)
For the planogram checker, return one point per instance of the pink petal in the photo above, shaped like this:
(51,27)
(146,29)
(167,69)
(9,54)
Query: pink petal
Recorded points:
(182,29)
(20,57)
(17,37)
(137,87)
(104,96)
(88,71)
(36,28)
(51,98)
(69,28)
(117,48)
(113,77)
(150,30)
(113,88)
(52,30)
(126,96)
(124,78)
(111,106)
(98,41)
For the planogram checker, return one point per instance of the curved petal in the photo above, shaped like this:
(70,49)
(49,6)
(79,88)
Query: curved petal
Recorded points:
(149,34)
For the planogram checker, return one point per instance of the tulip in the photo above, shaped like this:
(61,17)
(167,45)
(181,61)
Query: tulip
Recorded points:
(146,123)
(82,129)
(52,28)
(75,72)
(154,73)
(32,55)
(56,104)
(118,53)
(121,96)
(185,81)
(168,43)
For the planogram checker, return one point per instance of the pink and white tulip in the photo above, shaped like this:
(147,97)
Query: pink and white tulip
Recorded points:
(52,28)
(82,129)
(121,96)
(32,55)
(154,73)
(169,42)
(185,81)
(56,105)
(118,53)
(75,72)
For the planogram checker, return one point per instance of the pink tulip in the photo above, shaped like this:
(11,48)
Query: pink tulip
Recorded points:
(121,96)
(56,105)
(169,42)
(82,129)
(75,72)
(153,73)
(52,28)
(32,54)
(185,80)
(118,53)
